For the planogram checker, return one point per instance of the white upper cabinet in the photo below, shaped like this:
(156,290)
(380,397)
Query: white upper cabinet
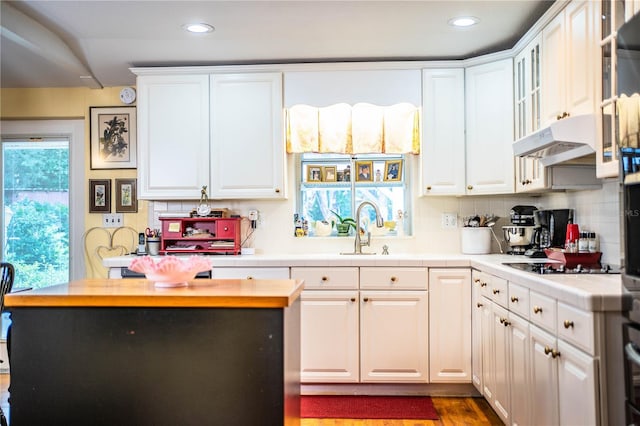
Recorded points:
(530,174)
(173,136)
(247,139)
(443,144)
(570,49)
(489,115)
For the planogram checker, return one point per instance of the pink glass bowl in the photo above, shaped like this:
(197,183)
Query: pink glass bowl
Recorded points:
(170,271)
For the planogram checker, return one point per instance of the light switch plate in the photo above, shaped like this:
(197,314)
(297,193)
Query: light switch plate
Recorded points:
(112,220)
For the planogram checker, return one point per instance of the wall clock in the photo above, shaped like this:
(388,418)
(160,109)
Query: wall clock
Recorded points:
(128,95)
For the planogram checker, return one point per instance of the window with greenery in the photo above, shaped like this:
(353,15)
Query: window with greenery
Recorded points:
(332,186)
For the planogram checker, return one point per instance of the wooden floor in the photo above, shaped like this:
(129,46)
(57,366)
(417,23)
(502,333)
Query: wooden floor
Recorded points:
(452,411)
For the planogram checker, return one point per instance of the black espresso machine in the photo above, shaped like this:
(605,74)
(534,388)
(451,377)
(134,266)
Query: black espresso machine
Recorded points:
(550,230)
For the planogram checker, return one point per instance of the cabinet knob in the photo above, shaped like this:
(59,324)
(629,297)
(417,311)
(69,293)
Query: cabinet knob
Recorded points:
(324,279)
(477,281)
(226,228)
(429,188)
(537,309)
(479,305)
(506,323)
(483,284)
(394,279)
(514,299)
(366,299)
(547,350)
(249,277)
(469,187)
(555,354)
(496,291)
(568,324)
(502,320)
(353,299)
(277,190)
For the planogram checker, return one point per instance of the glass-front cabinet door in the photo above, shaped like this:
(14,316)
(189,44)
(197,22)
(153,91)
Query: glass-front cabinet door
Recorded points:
(613,16)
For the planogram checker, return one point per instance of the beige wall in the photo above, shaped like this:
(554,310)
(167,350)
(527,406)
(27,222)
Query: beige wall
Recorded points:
(73,103)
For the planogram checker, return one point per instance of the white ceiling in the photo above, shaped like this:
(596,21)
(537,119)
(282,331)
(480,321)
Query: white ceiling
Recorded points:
(105,38)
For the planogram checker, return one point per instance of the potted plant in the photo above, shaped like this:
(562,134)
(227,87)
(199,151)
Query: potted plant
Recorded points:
(344,224)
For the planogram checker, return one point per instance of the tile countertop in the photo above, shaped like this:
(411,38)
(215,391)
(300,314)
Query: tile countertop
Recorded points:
(597,292)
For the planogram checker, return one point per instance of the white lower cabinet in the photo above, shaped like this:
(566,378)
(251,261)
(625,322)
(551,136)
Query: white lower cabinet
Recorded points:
(476,331)
(329,338)
(519,370)
(564,382)
(393,336)
(450,325)
(367,324)
(501,360)
(536,365)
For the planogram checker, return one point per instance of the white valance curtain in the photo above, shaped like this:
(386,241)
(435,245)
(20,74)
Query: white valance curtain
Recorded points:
(359,129)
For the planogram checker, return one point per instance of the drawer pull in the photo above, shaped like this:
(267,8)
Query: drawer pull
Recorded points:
(537,309)
(555,354)
(514,299)
(249,277)
(324,279)
(394,279)
(477,281)
(366,299)
(277,190)
(479,305)
(469,187)
(568,324)
(547,350)
(506,323)
(226,228)
(483,284)
(428,188)
(353,299)
(496,291)
(502,320)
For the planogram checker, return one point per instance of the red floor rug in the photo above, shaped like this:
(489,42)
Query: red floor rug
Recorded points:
(367,407)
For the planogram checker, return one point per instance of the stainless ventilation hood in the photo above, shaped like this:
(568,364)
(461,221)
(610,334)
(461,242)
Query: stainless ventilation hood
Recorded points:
(563,140)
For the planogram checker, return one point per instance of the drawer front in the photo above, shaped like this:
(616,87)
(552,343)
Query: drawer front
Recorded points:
(499,291)
(327,278)
(576,327)
(251,273)
(519,300)
(226,228)
(542,311)
(394,278)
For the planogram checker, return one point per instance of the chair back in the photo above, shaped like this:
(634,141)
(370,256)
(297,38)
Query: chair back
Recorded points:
(7,274)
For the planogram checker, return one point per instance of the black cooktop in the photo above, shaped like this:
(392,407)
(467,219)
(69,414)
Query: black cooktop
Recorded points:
(559,268)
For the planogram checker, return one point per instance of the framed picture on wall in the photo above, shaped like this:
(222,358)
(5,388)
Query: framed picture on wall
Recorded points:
(126,196)
(99,195)
(113,140)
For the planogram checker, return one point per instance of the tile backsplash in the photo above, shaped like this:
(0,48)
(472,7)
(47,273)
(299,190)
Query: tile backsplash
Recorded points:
(595,210)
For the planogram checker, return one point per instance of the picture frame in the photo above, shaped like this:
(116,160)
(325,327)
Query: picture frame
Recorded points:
(126,196)
(314,173)
(364,171)
(392,171)
(99,195)
(329,174)
(113,143)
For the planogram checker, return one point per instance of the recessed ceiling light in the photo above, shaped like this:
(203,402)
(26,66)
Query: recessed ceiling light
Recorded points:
(463,21)
(198,28)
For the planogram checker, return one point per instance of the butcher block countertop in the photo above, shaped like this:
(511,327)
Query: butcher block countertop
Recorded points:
(200,293)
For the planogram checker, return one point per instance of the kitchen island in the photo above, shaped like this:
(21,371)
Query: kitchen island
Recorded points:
(123,352)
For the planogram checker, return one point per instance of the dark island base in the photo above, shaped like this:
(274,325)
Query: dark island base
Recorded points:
(155,366)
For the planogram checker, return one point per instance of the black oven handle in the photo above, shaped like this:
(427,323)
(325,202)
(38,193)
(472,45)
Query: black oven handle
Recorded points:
(632,351)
